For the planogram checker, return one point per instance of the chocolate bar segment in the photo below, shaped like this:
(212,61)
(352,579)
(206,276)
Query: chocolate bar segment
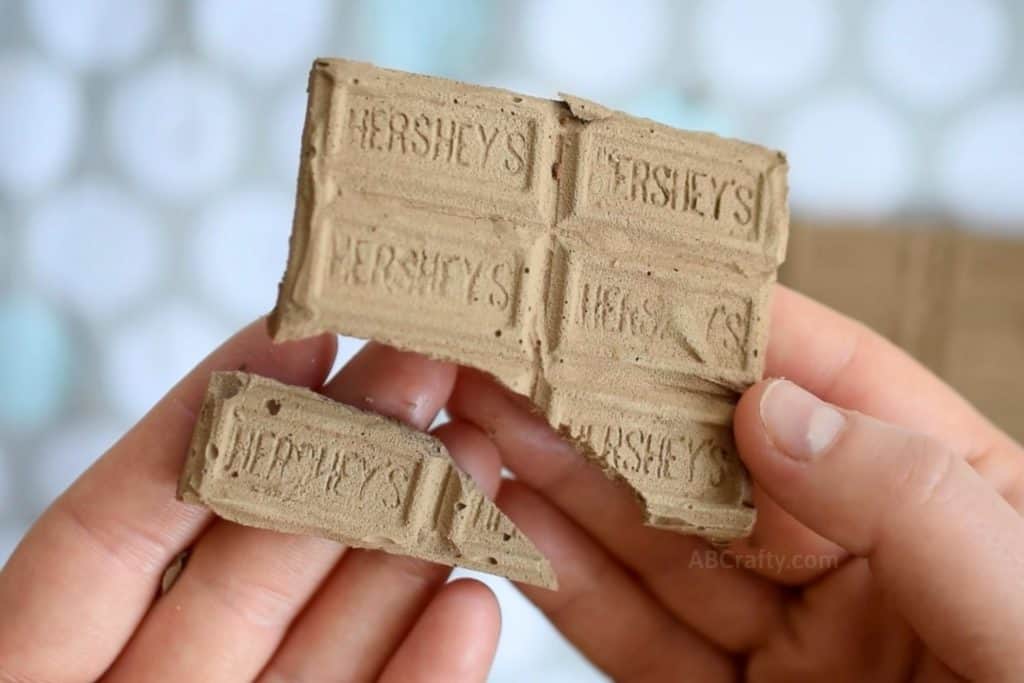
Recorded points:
(285,458)
(600,264)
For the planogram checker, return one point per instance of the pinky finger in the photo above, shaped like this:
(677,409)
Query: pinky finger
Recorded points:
(454,640)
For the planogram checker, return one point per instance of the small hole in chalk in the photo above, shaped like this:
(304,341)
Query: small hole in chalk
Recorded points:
(234,475)
(460,506)
(492,560)
(497,333)
(517,99)
(273,407)
(506,537)
(214,451)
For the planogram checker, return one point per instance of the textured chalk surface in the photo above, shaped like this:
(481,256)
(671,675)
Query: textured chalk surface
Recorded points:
(613,269)
(285,458)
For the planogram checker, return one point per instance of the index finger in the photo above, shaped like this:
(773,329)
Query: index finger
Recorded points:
(84,576)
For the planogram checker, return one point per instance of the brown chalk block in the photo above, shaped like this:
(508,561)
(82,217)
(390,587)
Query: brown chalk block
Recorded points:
(278,457)
(613,269)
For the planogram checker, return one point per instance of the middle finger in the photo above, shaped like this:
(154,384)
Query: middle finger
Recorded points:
(371,600)
(601,607)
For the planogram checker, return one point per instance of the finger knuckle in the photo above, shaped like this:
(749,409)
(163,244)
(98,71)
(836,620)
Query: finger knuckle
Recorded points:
(131,544)
(928,473)
(10,676)
(279,673)
(411,572)
(260,603)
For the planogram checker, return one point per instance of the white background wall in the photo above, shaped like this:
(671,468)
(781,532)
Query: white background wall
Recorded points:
(142,142)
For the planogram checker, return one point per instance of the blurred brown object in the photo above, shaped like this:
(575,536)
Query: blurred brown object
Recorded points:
(954,300)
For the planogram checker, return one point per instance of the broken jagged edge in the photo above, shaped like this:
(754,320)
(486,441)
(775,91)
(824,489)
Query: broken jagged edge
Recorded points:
(614,270)
(285,458)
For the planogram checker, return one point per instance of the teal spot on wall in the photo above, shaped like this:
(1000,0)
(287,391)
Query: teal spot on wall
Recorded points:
(445,38)
(35,363)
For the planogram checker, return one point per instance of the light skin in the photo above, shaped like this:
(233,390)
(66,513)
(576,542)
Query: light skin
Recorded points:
(889,544)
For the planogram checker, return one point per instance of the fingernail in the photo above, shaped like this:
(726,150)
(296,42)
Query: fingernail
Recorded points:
(798,423)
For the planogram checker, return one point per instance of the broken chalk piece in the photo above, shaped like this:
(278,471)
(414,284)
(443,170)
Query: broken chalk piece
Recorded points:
(613,269)
(278,457)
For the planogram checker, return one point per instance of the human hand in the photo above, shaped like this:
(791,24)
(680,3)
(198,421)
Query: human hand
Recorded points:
(887,548)
(79,597)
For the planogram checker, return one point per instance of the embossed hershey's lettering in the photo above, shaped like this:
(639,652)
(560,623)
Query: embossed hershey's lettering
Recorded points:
(611,269)
(439,136)
(425,272)
(714,330)
(285,458)
(611,308)
(486,518)
(680,185)
(659,455)
(728,329)
(283,465)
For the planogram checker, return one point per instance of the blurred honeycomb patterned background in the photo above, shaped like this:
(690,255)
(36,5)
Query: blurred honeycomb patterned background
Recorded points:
(148,154)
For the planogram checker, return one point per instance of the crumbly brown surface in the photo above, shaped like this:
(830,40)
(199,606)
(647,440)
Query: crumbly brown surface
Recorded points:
(614,270)
(285,458)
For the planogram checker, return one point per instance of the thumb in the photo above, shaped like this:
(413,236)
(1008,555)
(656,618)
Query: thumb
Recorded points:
(940,540)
